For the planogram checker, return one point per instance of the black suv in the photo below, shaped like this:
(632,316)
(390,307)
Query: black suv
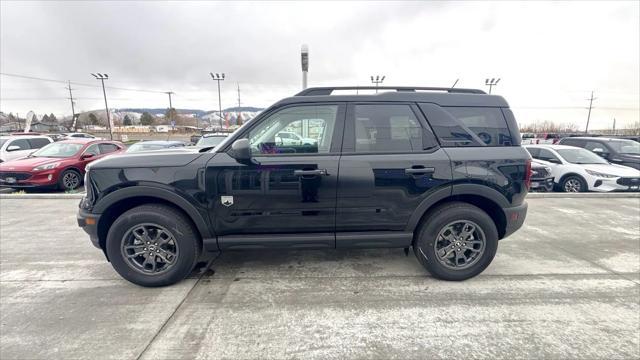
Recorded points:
(437,169)
(617,151)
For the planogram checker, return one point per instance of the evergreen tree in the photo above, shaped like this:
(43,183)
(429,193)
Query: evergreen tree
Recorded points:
(93,119)
(127,121)
(146,119)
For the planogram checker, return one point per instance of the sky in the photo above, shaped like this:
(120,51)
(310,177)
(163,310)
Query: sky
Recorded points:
(548,55)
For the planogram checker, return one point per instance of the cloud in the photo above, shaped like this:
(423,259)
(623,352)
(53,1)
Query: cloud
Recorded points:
(549,55)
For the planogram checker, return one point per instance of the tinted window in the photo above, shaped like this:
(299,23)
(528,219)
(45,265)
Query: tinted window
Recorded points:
(37,143)
(468,126)
(535,152)
(313,124)
(23,144)
(580,156)
(546,155)
(107,148)
(389,128)
(572,142)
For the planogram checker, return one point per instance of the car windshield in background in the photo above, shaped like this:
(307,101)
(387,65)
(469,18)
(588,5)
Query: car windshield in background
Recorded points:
(210,140)
(625,146)
(145,147)
(58,150)
(580,156)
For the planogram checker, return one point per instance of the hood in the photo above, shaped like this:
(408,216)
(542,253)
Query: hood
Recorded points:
(154,158)
(612,169)
(27,164)
(537,163)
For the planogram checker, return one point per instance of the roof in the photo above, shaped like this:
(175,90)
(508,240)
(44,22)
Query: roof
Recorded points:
(160,142)
(554,146)
(215,134)
(25,136)
(440,96)
(596,138)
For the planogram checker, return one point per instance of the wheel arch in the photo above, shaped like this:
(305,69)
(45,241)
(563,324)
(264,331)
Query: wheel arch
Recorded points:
(119,201)
(487,199)
(564,176)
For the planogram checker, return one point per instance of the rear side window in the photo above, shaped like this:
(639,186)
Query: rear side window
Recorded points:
(107,148)
(468,126)
(389,128)
(37,143)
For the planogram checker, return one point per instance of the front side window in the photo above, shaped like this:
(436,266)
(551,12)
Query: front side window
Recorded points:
(625,146)
(388,128)
(580,156)
(308,129)
(93,150)
(107,148)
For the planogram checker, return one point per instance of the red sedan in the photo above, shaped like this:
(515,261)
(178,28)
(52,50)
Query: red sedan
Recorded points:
(58,165)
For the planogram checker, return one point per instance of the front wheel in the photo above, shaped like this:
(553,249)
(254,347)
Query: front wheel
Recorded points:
(70,180)
(456,242)
(573,184)
(153,245)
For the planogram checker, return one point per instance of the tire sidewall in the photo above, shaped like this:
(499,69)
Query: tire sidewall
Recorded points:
(182,232)
(583,184)
(430,230)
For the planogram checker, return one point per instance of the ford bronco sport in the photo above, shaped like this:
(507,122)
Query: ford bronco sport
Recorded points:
(437,169)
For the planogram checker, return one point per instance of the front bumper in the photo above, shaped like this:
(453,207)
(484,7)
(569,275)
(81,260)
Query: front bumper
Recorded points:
(615,184)
(45,178)
(89,223)
(542,184)
(515,218)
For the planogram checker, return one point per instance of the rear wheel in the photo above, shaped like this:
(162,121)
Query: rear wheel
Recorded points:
(153,245)
(573,183)
(456,242)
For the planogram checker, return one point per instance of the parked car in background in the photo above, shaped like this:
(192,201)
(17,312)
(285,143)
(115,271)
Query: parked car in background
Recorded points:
(576,169)
(541,177)
(291,138)
(78,135)
(18,146)
(211,140)
(544,138)
(154,145)
(528,138)
(194,138)
(58,165)
(56,137)
(616,151)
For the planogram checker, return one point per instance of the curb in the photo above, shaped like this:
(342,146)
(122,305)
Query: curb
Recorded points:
(540,195)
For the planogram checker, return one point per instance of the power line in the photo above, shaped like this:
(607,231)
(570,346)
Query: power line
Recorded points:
(78,83)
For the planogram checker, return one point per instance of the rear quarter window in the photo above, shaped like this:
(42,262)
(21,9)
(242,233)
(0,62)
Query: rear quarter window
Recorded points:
(469,126)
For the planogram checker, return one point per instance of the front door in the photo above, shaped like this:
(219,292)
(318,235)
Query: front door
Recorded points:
(289,189)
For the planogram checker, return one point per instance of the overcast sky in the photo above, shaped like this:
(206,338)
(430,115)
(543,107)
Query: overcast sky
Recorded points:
(548,55)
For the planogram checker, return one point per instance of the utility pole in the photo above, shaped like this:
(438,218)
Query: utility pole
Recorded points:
(304,58)
(74,124)
(218,78)
(586,129)
(377,80)
(102,78)
(238,96)
(491,83)
(614,126)
(455,83)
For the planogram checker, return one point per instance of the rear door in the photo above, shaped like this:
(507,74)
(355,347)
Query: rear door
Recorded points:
(390,163)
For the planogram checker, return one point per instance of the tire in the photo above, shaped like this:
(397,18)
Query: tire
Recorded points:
(182,248)
(573,183)
(429,237)
(70,180)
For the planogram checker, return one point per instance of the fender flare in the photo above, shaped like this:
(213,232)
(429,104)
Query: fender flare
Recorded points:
(159,193)
(456,189)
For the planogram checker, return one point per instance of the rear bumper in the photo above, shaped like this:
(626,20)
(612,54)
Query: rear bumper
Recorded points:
(515,218)
(89,223)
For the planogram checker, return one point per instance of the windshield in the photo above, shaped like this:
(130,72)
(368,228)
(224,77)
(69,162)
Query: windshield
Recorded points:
(58,150)
(2,141)
(625,146)
(144,147)
(210,140)
(580,156)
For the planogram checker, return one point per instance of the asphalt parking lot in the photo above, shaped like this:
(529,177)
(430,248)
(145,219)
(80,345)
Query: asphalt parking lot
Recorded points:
(565,286)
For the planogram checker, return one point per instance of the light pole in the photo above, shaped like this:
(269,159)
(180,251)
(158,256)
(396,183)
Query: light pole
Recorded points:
(304,57)
(218,77)
(102,78)
(491,83)
(377,80)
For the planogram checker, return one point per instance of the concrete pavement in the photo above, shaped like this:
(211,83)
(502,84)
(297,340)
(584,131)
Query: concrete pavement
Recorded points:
(565,286)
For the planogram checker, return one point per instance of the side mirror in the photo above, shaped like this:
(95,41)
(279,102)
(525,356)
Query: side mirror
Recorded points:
(241,150)
(86,156)
(13,148)
(554,161)
(600,151)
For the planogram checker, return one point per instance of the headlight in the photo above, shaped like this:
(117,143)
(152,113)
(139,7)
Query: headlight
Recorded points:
(600,175)
(46,166)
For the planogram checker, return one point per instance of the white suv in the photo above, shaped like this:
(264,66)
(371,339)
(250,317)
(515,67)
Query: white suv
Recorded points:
(19,146)
(291,138)
(576,169)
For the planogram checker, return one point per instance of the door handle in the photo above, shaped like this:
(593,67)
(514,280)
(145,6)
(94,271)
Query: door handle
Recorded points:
(315,172)
(419,170)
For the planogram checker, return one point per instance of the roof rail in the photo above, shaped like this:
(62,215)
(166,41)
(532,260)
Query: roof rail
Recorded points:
(318,91)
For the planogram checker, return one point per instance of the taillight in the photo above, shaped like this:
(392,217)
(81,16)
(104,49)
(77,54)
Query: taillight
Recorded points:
(527,174)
